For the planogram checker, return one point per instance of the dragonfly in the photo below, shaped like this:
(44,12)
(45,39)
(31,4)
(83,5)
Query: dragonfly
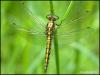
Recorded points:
(51,28)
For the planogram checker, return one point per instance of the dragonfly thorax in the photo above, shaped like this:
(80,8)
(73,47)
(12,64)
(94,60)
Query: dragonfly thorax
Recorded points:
(50,28)
(50,24)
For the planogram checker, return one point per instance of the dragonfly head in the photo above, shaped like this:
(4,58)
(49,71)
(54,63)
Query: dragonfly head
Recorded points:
(52,17)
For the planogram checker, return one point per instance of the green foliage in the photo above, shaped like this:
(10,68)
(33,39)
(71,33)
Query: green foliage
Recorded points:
(24,53)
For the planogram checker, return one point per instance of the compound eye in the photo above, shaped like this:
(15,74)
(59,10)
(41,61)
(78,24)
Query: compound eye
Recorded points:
(48,17)
(56,18)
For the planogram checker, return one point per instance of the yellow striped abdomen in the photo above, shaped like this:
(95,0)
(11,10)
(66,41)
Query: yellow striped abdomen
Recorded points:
(48,48)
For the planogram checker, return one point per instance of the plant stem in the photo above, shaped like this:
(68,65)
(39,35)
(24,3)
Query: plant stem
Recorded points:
(56,52)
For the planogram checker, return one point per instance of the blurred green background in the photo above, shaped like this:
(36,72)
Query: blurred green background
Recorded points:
(24,53)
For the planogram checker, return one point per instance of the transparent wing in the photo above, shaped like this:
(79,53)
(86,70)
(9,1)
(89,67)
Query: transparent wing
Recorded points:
(71,22)
(28,30)
(27,21)
(78,19)
(76,35)
(34,17)
(74,28)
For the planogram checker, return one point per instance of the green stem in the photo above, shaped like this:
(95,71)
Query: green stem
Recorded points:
(56,52)
(51,8)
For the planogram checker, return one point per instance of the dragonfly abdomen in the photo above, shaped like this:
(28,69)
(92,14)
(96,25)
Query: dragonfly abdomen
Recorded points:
(48,49)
